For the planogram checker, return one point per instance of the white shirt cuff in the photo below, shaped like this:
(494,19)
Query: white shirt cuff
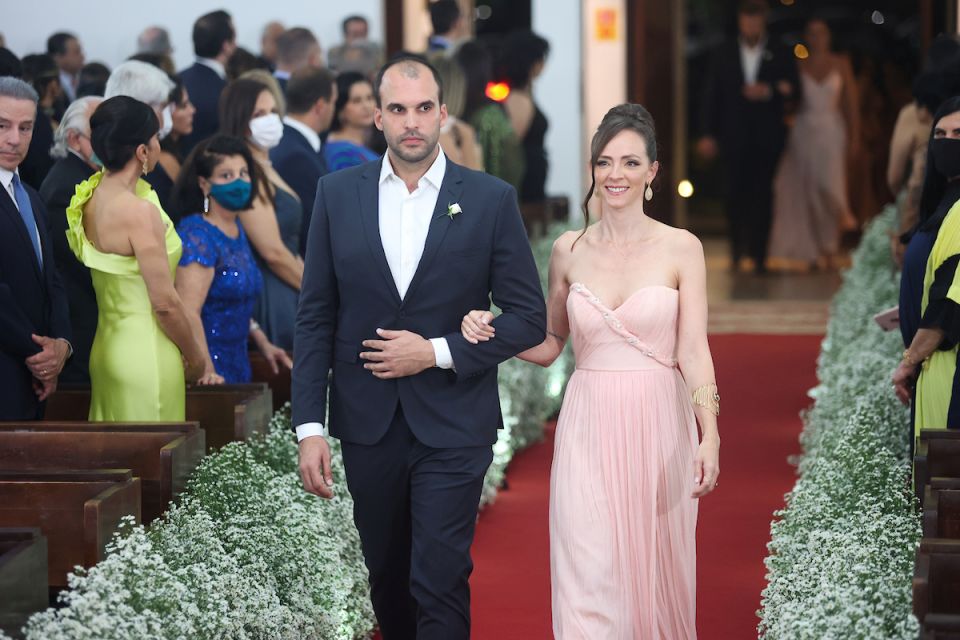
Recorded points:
(441,351)
(310,429)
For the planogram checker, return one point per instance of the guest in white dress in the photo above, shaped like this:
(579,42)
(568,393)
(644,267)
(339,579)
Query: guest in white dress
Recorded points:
(811,205)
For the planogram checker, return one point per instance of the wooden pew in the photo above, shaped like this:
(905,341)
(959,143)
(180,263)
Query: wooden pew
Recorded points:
(225,412)
(162,455)
(941,513)
(937,458)
(230,412)
(23,577)
(78,512)
(279,383)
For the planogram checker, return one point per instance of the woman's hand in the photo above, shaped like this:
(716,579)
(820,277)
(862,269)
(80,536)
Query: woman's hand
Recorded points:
(275,356)
(476,326)
(193,371)
(210,378)
(706,467)
(904,378)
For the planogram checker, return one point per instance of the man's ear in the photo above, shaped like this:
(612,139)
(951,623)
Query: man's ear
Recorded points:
(378,118)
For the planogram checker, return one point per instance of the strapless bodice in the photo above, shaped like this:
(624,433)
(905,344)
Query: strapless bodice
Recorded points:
(640,334)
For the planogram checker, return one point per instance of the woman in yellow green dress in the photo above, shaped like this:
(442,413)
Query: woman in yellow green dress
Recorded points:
(931,357)
(117,228)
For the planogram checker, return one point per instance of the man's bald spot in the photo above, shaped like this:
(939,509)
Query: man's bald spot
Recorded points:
(410,68)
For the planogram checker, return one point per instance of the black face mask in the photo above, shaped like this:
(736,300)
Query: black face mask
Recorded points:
(946,156)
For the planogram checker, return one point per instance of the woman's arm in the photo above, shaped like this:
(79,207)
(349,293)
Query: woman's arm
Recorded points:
(476,325)
(273,354)
(900,151)
(695,360)
(261,226)
(146,233)
(193,284)
(851,104)
(924,343)
(519,106)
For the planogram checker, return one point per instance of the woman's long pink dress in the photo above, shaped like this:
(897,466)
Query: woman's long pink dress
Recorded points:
(622,522)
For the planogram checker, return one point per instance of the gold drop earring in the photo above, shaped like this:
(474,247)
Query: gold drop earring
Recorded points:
(648,193)
(145,171)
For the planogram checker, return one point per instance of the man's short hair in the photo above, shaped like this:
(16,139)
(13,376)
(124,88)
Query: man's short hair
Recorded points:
(294,45)
(306,86)
(443,15)
(75,118)
(407,58)
(57,43)
(141,81)
(210,32)
(16,88)
(354,18)
(753,8)
(154,40)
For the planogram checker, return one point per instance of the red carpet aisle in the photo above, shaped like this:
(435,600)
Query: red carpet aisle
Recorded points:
(763,379)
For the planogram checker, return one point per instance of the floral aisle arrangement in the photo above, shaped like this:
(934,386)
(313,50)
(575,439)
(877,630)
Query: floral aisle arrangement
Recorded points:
(842,551)
(246,553)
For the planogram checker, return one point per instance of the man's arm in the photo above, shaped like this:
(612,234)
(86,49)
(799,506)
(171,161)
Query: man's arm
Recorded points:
(15,327)
(515,289)
(315,323)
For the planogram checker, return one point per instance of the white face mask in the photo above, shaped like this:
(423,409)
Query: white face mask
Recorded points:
(166,124)
(266,131)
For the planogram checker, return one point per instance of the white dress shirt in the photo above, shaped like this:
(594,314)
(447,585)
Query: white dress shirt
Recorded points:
(6,179)
(312,137)
(68,82)
(404,221)
(216,65)
(750,58)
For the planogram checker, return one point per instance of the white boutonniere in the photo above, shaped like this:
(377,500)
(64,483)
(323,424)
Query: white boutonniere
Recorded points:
(452,210)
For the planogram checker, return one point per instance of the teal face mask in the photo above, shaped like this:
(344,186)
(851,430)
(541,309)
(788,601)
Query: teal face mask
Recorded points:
(232,195)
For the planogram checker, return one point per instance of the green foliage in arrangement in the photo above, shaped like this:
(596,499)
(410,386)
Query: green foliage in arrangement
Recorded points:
(247,554)
(842,551)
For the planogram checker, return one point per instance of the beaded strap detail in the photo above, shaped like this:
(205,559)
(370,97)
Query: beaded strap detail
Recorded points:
(610,318)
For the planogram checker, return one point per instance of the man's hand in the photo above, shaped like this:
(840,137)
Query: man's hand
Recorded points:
(44,388)
(399,354)
(707,148)
(47,364)
(757,92)
(315,466)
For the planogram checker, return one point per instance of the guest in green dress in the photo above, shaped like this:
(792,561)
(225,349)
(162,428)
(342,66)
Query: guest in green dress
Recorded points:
(931,358)
(117,228)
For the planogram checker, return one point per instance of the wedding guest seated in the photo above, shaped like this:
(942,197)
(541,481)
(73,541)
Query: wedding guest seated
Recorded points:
(214,41)
(297,48)
(118,229)
(42,73)
(93,79)
(249,111)
(350,131)
(357,53)
(75,163)
(150,85)
(311,95)
(218,278)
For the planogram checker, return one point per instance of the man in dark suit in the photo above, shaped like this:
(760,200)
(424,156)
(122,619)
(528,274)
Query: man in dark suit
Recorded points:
(399,250)
(214,41)
(311,95)
(448,25)
(751,86)
(297,49)
(75,164)
(34,321)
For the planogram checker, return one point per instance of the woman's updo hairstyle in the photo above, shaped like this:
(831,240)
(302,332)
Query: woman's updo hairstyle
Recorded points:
(623,117)
(118,126)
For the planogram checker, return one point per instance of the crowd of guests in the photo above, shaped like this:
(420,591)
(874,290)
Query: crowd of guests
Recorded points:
(181,201)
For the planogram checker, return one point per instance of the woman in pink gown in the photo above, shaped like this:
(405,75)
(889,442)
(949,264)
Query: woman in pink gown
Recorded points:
(627,470)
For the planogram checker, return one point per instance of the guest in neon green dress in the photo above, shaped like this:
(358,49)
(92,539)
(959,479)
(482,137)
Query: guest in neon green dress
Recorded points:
(117,228)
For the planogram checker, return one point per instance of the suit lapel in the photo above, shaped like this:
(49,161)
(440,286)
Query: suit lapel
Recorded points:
(450,191)
(369,190)
(16,222)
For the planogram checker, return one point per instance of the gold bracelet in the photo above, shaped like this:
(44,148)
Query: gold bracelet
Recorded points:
(909,358)
(708,397)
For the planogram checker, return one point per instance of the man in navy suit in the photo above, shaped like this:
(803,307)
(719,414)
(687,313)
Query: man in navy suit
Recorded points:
(214,41)
(311,96)
(448,25)
(297,49)
(34,319)
(400,249)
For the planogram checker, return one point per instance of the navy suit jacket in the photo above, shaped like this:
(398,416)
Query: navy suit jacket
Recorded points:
(204,86)
(32,300)
(301,167)
(57,190)
(348,292)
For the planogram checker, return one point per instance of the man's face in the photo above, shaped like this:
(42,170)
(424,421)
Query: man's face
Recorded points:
(356,31)
(752,26)
(72,59)
(410,114)
(16,130)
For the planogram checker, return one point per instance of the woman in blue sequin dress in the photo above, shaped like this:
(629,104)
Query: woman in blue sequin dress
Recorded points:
(218,278)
